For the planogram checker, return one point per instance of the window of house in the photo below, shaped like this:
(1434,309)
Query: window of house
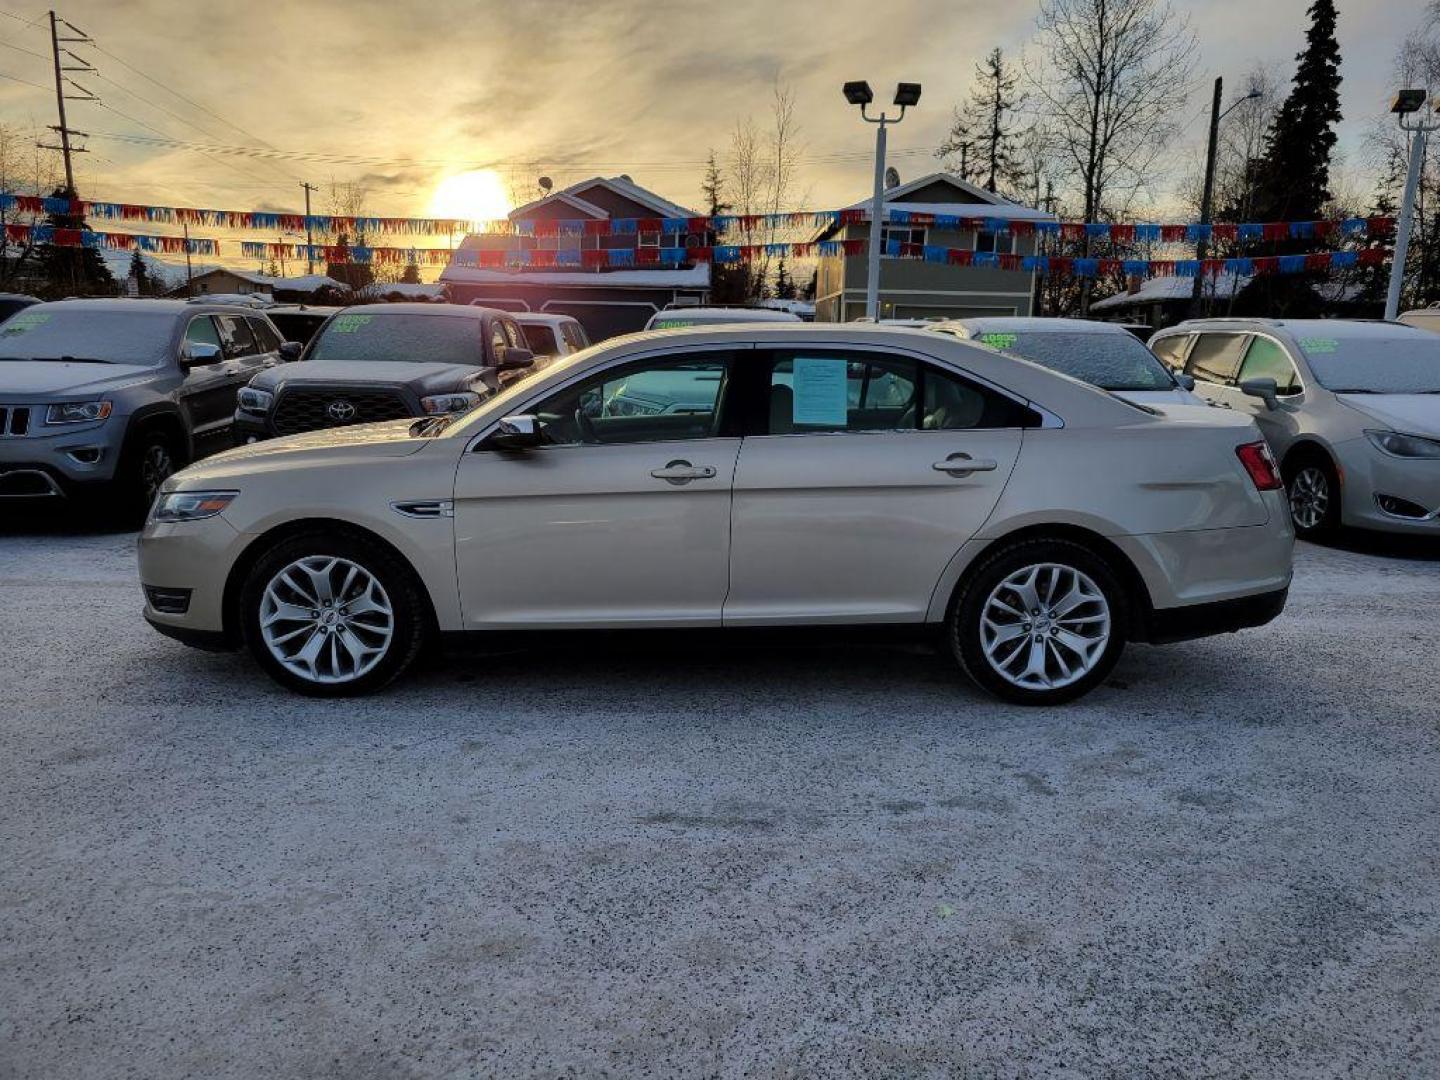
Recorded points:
(905,234)
(994,243)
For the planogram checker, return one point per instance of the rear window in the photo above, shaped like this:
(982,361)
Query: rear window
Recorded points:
(1109,361)
(50,332)
(364,335)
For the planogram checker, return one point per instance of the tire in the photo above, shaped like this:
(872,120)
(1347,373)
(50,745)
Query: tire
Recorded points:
(147,460)
(988,617)
(1312,489)
(350,649)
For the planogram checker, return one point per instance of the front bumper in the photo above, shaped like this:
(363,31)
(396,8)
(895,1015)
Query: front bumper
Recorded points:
(250,427)
(193,556)
(1370,474)
(59,460)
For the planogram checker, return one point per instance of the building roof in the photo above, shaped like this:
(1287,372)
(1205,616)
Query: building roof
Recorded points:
(463,310)
(1159,290)
(977,202)
(1031,324)
(622,185)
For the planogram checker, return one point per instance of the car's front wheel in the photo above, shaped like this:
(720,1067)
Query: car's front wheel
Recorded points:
(332,615)
(1039,622)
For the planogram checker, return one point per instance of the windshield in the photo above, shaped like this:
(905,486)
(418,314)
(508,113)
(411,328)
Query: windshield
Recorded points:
(1405,363)
(431,339)
(46,332)
(1109,361)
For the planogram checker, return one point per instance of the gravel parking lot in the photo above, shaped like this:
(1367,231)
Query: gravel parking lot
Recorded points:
(809,862)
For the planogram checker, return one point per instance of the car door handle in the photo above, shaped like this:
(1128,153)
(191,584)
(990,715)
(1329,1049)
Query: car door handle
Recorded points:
(964,465)
(682,472)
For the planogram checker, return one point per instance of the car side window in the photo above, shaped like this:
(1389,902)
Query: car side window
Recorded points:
(822,391)
(1215,358)
(951,402)
(676,397)
(575,335)
(1171,350)
(1267,360)
(235,336)
(266,337)
(498,341)
(201,331)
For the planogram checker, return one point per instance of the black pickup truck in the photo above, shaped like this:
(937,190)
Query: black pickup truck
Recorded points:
(378,362)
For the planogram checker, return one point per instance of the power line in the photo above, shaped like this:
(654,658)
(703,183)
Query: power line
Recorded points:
(27,82)
(27,52)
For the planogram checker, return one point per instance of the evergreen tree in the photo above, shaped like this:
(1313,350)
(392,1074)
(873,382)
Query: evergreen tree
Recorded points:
(808,293)
(141,274)
(983,125)
(784,283)
(411,276)
(728,284)
(355,276)
(1293,178)
(72,271)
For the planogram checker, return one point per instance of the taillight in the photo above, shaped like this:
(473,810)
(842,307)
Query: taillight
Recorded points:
(1260,464)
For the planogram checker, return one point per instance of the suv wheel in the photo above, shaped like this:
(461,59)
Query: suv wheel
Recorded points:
(1314,493)
(1039,622)
(147,461)
(330,615)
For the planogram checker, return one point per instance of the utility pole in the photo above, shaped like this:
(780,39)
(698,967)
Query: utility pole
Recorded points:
(309,235)
(1207,196)
(189,275)
(63,129)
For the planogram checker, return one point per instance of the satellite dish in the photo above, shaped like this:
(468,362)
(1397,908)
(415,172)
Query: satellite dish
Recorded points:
(892,177)
(546,184)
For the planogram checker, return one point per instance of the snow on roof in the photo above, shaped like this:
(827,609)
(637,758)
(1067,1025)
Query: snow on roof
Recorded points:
(620,185)
(1031,324)
(795,307)
(696,277)
(407,288)
(726,314)
(1158,290)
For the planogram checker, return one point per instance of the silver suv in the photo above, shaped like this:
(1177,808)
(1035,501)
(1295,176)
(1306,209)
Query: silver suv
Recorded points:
(109,397)
(1350,409)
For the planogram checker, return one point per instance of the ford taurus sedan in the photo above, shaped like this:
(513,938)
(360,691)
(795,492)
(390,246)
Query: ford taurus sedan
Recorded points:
(740,477)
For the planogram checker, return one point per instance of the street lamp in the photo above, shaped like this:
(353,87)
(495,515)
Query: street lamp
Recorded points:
(1208,194)
(859,93)
(1407,103)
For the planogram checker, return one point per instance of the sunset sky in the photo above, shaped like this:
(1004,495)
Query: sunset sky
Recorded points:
(568,88)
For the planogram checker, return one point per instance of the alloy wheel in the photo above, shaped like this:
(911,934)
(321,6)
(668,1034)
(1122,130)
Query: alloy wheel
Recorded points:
(1045,626)
(326,619)
(1309,497)
(156,465)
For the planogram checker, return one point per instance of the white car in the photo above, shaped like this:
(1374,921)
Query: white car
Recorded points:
(737,477)
(1106,355)
(680,318)
(552,335)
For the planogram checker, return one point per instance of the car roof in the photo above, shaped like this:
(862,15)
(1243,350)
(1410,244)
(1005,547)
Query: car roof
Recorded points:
(464,311)
(1020,324)
(729,314)
(301,309)
(1346,329)
(536,318)
(165,307)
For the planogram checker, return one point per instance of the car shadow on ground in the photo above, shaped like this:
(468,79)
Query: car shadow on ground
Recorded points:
(55,517)
(1385,545)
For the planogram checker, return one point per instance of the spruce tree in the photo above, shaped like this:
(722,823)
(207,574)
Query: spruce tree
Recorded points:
(411,276)
(728,284)
(983,126)
(141,273)
(72,271)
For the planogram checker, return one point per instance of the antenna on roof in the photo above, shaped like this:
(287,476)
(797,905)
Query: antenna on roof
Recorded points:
(892,178)
(546,184)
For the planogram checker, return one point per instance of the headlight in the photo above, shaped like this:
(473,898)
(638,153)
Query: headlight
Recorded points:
(449,403)
(252,400)
(191,505)
(77,412)
(1406,446)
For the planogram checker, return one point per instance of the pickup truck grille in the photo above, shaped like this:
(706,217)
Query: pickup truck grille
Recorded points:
(14,421)
(310,410)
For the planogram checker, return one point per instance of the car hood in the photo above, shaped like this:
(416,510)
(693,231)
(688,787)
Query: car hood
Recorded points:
(389,439)
(1416,414)
(416,376)
(28,378)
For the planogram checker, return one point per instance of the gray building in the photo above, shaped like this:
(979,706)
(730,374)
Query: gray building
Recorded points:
(913,289)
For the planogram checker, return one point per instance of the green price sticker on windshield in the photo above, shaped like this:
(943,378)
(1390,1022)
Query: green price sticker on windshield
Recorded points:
(1319,344)
(999,341)
(25,320)
(670,324)
(348,324)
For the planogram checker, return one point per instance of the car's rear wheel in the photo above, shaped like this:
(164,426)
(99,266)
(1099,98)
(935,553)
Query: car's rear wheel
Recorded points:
(333,615)
(1314,492)
(1039,622)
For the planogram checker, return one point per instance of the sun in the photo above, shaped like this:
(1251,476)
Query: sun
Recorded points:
(478,195)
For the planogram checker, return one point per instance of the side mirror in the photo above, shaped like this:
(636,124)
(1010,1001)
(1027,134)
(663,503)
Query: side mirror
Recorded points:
(291,350)
(1187,382)
(517,433)
(1264,389)
(515,359)
(197,353)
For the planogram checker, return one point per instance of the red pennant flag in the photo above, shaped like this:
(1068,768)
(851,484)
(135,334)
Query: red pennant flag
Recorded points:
(1172,234)
(1373,257)
(647,256)
(1276,230)
(597,228)
(1226,230)
(594,258)
(542,257)
(699,254)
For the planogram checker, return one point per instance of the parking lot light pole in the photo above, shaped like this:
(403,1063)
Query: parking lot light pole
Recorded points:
(859,93)
(1407,103)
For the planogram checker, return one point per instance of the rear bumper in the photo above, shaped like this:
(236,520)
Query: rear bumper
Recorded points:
(1218,617)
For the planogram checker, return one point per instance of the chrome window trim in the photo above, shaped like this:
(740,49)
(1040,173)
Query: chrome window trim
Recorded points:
(1289,355)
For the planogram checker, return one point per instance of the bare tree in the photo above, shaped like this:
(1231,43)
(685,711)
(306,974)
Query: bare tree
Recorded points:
(23,170)
(1112,75)
(760,176)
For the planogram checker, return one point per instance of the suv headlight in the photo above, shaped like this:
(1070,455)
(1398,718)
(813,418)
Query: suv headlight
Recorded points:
(252,400)
(1405,446)
(191,505)
(449,403)
(77,412)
